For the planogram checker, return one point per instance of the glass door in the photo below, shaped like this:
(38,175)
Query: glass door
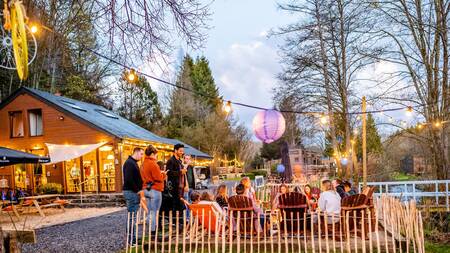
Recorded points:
(73,175)
(90,172)
(107,170)
(22,181)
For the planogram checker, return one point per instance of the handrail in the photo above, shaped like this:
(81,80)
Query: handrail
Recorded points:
(409,189)
(81,188)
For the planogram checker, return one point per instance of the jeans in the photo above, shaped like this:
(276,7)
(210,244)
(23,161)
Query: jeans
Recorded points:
(187,197)
(154,200)
(132,200)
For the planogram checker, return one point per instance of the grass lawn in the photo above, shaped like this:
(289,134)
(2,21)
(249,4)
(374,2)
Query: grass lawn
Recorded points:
(400,176)
(436,248)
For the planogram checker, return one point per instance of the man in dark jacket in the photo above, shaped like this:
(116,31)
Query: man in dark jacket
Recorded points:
(176,181)
(132,185)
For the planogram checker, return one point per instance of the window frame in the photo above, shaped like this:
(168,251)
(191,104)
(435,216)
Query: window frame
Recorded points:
(29,125)
(11,127)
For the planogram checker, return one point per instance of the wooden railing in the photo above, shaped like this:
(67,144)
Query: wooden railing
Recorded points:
(391,226)
(428,192)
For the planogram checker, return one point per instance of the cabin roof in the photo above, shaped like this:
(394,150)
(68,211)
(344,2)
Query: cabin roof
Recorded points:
(100,118)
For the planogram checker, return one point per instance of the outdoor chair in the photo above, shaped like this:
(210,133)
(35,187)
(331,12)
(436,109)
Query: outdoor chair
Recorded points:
(293,206)
(368,191)
(355,207)
(208,217)
(242,211)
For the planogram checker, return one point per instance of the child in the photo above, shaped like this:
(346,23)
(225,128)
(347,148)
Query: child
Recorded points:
(222,196)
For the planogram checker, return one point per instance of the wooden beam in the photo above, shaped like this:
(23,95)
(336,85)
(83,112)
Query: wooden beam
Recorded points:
(23,236)
(364,157)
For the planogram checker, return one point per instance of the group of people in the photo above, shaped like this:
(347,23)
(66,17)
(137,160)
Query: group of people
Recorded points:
(154,185)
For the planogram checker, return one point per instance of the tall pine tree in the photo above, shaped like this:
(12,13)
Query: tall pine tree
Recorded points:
(203,83)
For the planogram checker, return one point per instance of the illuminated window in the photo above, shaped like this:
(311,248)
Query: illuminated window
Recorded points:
(16,124)
(35,121)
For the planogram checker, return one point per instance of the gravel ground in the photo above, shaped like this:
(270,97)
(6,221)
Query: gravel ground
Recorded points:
(100,234)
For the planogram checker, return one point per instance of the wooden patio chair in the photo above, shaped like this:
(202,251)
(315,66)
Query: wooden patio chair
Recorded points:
(356,207)
(368,191)
(207,216)
(292,207)
(242,207)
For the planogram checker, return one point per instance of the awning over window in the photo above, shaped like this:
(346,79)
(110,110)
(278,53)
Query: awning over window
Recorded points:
(59,153)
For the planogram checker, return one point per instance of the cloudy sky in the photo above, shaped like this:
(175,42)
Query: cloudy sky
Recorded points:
(245,62)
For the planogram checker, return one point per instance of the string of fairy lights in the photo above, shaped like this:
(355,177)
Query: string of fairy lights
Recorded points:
(323,117)
(132,76)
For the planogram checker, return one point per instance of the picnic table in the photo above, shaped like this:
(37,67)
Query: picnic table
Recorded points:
(40,202)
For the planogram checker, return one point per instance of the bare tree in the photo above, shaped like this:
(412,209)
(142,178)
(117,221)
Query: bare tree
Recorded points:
(417,32)
(322,56)
(147,29)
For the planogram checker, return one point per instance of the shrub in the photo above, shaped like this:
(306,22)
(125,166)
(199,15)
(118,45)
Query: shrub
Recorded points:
(251,175)
(259,173)
(50,188)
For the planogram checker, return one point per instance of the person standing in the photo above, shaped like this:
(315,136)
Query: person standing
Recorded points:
(153,183)
(190,175)
(132,186)
(176,181)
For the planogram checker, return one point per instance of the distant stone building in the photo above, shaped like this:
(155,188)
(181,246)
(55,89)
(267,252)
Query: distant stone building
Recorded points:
(413,164)
(307,162)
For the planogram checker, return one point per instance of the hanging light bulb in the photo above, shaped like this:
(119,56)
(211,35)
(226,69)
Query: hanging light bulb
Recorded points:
(437,124)
(34,28)
(409,111)
(132,77)
(323,119)
(419,126)
(227,107)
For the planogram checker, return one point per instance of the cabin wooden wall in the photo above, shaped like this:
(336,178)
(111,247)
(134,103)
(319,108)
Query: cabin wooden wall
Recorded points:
(70,130)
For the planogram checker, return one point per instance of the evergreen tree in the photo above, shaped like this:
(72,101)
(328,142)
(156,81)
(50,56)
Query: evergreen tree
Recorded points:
(139,103)
(373,140)
(203,83)
(182,111)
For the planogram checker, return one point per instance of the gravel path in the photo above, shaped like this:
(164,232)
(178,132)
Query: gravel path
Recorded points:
(100,234)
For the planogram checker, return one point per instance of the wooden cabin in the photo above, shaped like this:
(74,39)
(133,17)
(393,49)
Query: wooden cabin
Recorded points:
(87,143)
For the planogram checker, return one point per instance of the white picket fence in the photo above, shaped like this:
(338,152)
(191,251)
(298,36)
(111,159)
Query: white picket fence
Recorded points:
(391,226)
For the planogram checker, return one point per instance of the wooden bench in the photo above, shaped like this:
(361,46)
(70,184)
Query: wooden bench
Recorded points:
(40,202)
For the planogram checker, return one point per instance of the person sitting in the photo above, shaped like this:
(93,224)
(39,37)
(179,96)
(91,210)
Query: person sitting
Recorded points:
(206,196)
(283,189)
(339,187)
(203,199)
(348,189)
(222,196)
(312,201)
(330,202)
(240,191)
(248,189)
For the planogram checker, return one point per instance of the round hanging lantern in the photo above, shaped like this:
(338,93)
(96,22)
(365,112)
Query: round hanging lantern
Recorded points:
(269,125)
(280,168)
